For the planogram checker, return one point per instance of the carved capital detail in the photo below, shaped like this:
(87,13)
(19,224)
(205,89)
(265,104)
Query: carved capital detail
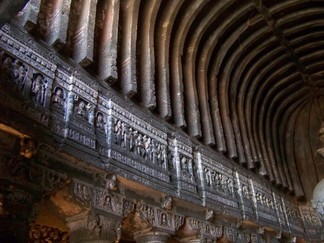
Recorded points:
(90,225)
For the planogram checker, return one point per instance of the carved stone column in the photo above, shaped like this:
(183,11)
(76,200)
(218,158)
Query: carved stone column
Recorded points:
(196,231)
(193,239)
(19,187)
(151,236)
(92,227)
(17,210)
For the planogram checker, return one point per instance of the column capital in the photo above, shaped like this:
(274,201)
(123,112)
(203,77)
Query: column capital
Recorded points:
(90,226)
(151,236)
(17,210)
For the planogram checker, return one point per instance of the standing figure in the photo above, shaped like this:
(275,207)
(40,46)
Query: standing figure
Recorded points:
(38,89)
(7,66)
(100,123)
(20,75)
(131,139)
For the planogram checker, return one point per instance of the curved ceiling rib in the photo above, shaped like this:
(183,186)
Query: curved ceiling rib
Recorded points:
(242,77)
(166,16)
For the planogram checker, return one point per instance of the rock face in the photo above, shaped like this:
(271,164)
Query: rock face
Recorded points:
(162,120)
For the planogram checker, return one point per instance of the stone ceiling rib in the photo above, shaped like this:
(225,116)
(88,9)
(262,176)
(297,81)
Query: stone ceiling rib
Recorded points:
(279,34)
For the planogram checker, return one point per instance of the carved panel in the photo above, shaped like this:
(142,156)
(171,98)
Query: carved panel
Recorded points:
(128,207)
(293,216)
(264,203)
(139,144)
(109,202)
(311,220)
(83,192)
(280,211)
(230,234)
(165,220)
(245,194)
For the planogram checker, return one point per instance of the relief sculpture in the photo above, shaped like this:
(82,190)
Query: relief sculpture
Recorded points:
(38,88)
(58,98)
(20,75)
(139,144)
(219,181)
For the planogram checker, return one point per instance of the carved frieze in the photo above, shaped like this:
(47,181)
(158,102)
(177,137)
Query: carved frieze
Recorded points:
(83,192)
(246,197)
(230,233)
(166,221)
(311,220)
(139,144)
(109,202)
(280,211)
(293,216)
(264,204)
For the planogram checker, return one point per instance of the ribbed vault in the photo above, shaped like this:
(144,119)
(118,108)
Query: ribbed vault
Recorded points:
(245,77)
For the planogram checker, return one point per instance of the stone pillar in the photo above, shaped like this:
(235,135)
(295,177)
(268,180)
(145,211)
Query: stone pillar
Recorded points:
(17,211)
(193,239)
(151,236)
(92,227)
(19,187)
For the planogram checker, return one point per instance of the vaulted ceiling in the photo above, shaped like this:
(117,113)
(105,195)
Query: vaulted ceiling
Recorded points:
(245,77)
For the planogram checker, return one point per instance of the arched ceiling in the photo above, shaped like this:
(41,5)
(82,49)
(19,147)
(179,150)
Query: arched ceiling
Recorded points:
(245,77)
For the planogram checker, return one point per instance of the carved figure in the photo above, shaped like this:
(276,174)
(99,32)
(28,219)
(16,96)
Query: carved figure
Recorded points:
(118,230)
(230,186)
(209,215)
(118,132)
(167,203)
(82,192)
(111,183)
(140,149)
(58,98)
(20,75)
(184,164)
(207,229)
(245,191)
(164,220)
(147,146)
(170,158)
(7,66)
(158,153)
(148,213)
(164,155)
(107,202)
(131,139)
(100,123)
(124,137)
(80,109)
(94,224)
(38,89)
(28,148)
